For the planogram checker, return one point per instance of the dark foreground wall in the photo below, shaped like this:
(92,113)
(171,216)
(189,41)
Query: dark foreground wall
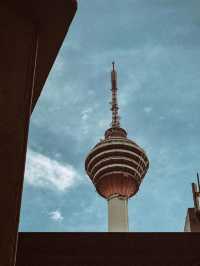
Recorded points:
(31,33)
(102,249)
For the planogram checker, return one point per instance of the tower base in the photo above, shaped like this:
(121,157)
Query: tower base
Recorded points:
(117,214)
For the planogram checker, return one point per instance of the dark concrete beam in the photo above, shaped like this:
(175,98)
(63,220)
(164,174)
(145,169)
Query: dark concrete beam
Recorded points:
(28,47)
(107,249)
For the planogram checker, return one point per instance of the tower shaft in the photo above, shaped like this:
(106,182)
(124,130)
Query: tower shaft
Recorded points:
(117,214)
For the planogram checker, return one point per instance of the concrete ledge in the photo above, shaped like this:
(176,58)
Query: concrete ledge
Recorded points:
(89,249)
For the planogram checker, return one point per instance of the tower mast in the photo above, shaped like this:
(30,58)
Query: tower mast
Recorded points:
(114,103)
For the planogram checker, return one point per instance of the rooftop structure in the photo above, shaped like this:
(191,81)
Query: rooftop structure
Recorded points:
(116,166)
(192,222)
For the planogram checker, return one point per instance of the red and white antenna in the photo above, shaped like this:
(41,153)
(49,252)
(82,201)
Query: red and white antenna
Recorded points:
(114,103)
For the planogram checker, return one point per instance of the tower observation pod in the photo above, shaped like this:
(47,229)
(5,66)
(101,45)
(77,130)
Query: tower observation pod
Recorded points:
(116,166)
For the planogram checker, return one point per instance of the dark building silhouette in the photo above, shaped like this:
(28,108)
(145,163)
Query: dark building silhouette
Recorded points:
(31,34)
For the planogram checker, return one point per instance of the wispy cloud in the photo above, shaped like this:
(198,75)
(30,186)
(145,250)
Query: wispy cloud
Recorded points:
(42,171)
(147,109)
(85,113)
(56,216)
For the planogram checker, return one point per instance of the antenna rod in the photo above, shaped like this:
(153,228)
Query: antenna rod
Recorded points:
(113,64)
(198,182)
(114,108)
(195,199)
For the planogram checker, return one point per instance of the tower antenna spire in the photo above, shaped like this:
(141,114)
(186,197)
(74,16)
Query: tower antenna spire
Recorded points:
(114,103)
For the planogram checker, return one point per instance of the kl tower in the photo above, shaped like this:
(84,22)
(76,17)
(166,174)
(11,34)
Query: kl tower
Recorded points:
(116,166)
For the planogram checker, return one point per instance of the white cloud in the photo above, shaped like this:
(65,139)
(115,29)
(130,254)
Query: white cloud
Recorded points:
(56,216)
(162,117)
(147,109)
(85,116)
(42,171)
(85,113)
(104,123)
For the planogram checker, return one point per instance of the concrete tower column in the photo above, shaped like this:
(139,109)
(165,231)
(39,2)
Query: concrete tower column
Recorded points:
(117,214)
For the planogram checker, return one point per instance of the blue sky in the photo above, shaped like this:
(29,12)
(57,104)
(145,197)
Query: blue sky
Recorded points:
(155,44)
